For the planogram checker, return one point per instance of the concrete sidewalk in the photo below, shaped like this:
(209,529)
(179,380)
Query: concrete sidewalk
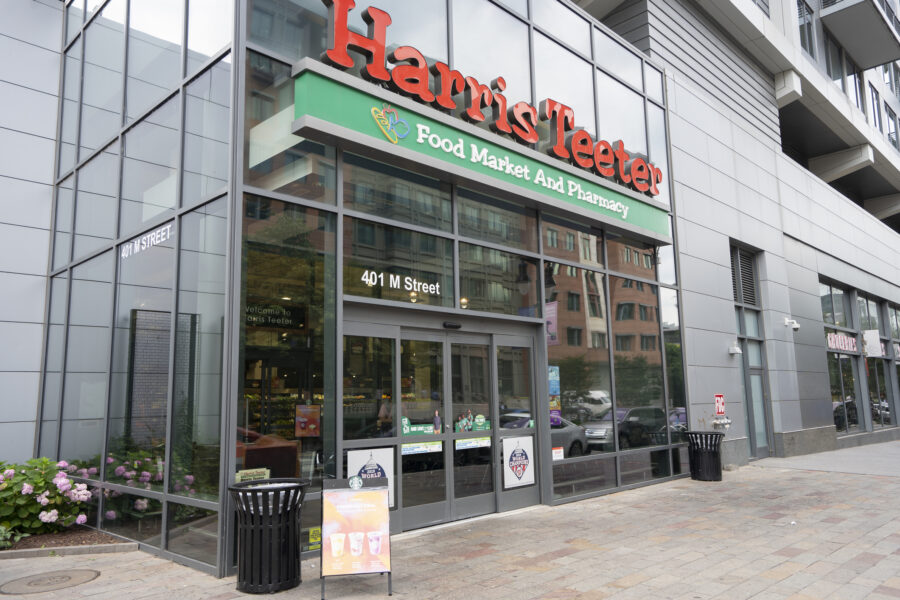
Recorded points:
(765,532)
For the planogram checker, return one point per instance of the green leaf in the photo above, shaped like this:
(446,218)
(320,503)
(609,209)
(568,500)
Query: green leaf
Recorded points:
(23,513)
(23,499)
(5,509)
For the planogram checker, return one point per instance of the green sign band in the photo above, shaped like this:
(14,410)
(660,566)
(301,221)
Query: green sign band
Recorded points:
(333,102)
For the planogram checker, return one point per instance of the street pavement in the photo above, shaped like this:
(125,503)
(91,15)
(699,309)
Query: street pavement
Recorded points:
(823,526)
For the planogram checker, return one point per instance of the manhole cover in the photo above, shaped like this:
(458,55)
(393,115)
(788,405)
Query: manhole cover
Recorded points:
(48,582)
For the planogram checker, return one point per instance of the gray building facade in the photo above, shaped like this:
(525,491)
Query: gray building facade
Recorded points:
(261,261)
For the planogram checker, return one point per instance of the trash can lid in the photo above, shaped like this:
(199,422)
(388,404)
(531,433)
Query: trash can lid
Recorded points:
(261,485)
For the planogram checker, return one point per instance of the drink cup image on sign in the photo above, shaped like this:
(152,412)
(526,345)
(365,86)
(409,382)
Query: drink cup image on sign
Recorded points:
(356,543)
(374,538)
(337,545)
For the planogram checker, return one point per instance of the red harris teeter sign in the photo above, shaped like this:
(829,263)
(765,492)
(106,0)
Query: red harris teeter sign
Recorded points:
(436,84)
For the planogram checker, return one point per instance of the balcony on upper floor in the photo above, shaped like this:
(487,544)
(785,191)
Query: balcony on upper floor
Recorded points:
(867,29)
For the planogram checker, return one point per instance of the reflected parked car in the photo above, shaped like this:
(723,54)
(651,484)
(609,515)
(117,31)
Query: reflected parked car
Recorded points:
(640,426)
(586,406)
(845,414)
(563,433)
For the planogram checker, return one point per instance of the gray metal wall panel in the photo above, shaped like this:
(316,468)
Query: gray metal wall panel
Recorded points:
(25,203)
(29,78)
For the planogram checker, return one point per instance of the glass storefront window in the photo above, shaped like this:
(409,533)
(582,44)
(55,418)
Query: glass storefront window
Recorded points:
(496,221)
(390,263)
(209,30)
(71,93)
(572,478)
(496,281)
(294,28)
(140,377)
(520,6)
(653,82)
(618,60)
(844,404)
(368,387)
(62,233)
(193,532)
(155,37)
(53,367)
(658,148)
(274,158)
(421,388)
(500,36)
(288,335)
(876,373)
(379,189)
(421,24)
(561,75)
(571,241)
(622,116)
(104,55)
(640,413)
(668,308)
(424,480)
(514,384)
(87,363)
(471,387)
(197,399)
(95,201)
(563,23)
(133,517)
(150,166)
(207,120)
(578,353)
(894,316)
(644,466)
(631,257)
(74,19)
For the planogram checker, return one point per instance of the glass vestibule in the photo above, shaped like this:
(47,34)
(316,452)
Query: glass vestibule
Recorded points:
(458,395)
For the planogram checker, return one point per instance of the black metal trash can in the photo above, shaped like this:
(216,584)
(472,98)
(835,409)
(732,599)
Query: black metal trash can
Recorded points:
(268,535)
(704,453)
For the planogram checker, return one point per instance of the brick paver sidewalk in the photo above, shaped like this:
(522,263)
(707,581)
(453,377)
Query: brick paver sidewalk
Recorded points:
(764,533)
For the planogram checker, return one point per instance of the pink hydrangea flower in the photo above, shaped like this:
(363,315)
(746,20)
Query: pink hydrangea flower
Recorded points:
(9,473)
(81,519)
(189,479)
(72,468)
(49,517)
(62,464)
(42,498)
(141,504)
(110,515)
(110,460)
(92,471)
(120,470)
(27,488)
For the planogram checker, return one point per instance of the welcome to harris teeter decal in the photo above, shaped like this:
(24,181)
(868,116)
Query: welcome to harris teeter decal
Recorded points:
(395,128)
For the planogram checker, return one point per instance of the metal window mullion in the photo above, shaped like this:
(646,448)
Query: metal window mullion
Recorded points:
(109,366)
(607,294)
(125,45)
(170,384)
(457,268)
(339,319)
(231,336)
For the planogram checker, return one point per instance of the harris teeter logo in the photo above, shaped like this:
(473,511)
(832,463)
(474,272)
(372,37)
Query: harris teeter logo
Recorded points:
(392,126)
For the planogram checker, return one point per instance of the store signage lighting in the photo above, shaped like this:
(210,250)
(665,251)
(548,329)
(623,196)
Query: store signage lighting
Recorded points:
(437,84)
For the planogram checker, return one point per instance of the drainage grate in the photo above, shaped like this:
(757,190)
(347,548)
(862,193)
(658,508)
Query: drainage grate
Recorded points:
(48,582)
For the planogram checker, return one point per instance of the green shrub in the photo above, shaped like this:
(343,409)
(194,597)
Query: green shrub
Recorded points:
(38,497)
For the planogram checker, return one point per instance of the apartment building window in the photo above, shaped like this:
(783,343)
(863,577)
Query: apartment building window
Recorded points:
(574,301)
(891,118)
(570,241)
(896,77)
(624,343)
(805,14)
(625,311)
(854,76)
(834,61)
(648,343)
(598,339)
(876,107)
(763,5)
(573,336)
(552,237)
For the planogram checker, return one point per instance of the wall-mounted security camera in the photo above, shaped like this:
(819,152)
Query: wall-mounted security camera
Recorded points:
(792,323)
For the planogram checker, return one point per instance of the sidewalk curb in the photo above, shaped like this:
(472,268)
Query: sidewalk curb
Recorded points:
(70,550)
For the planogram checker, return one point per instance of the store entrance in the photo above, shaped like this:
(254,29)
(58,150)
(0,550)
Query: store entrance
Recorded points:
(435,399)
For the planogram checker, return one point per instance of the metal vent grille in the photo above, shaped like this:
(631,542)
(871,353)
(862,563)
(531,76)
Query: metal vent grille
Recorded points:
(748,278)
(734,278)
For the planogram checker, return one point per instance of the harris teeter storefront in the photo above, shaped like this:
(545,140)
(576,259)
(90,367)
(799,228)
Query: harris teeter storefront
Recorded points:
(464,284)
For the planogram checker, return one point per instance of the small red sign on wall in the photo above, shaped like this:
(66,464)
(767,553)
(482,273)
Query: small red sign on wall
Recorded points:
(720,405)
